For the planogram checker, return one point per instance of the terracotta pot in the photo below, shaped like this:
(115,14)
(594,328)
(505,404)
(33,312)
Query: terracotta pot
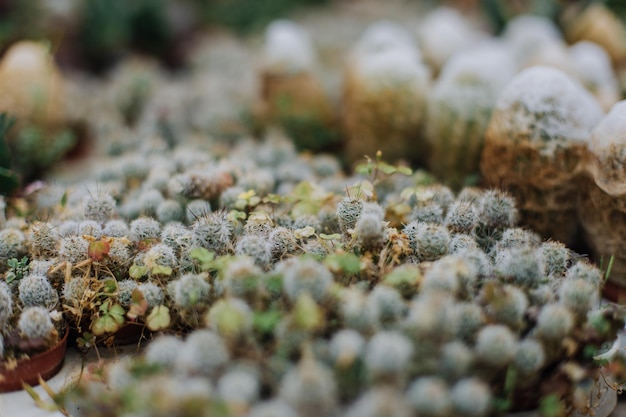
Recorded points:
(45,364)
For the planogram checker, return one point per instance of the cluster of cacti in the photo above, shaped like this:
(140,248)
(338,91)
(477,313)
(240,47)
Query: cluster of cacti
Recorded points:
(421,323)
(273,283)
(30,317)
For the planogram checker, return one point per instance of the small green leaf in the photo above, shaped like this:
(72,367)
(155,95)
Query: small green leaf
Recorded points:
(551,406)
(64,199)
(345,262)
(86,341)
(405,170)
(161,270)
(137,271)
(202,255)
(385,168)
(364,169)
(266,321)
(235,215)
(109,322)
(110,285)
(273,198)
(117,312)
(334,236)
(159,318)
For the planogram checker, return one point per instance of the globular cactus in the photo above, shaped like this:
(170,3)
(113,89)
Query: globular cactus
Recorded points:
(212,231)
(305,275)
(6,305)
(36,290)
(35,322)
(384,95)
(309,388)
(429,396)
(540,129)
(460,108)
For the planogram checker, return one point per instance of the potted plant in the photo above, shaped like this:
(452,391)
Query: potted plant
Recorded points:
(469,315)
(33,333)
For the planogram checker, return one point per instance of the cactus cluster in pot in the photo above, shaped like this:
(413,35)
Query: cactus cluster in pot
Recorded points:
(31,316)
(452,309)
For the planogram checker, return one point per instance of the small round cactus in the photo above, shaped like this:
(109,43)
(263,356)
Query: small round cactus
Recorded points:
(471,397)
(497,210)
(348,212)
(579,295)
(164,351)
(461,217)
(586,271)
(309,388)
(238,387)
(230,318)
(346,346)
(453,274)
(282,241)
(456,360)
(554,322)
(152,293)
(357,312)
(432,315)
(471,318)
(99,207)
(36,290)
(90,228)
(190,289)
(6,305)
(257,247)
(143,229)
(556,257)
(430,397)
(530,356)
(125,292)
(43,239)
(380,401)
(212,231)
(369,229)
(429,241)
(301,275)
(523,265)
(115,228)
(388,303)
(428,213)
(150,200)
(496,345)
(387,354)
(12,244)
(169,211)
(73,249)
(35,322)
(242,277)
(506,305)
(204,353)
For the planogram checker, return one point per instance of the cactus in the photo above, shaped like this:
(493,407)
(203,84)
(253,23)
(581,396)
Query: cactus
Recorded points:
(35,323)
